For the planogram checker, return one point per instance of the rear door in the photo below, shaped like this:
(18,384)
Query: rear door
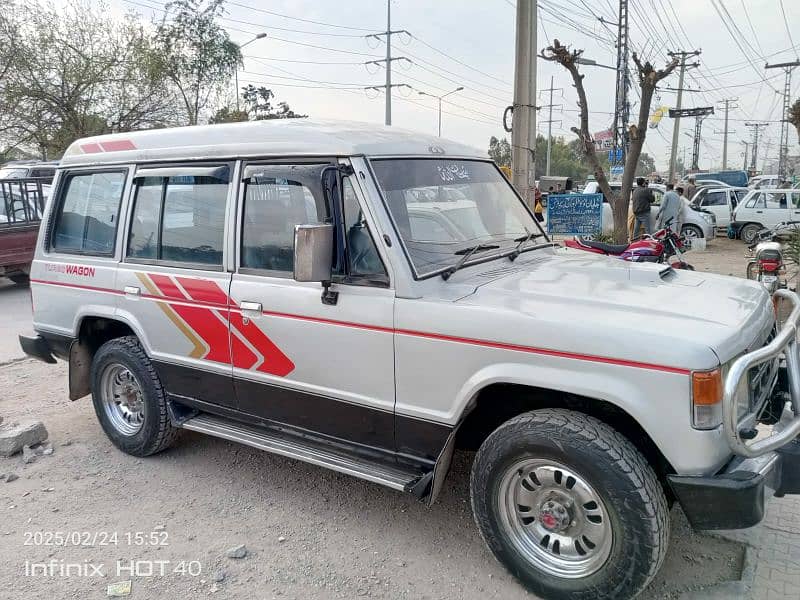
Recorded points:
(173,281)
(322,367)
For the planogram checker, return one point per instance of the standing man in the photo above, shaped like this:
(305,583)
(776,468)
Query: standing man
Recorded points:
(691,188)
(670,209)
(642,199)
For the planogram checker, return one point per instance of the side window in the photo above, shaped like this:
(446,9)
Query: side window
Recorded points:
(363,259)
(795,201)
(716,199)
(179,219)
(278,197)
(774,200)
(86,221)
(756,201)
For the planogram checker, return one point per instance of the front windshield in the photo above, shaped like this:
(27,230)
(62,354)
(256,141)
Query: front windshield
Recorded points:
(443,208)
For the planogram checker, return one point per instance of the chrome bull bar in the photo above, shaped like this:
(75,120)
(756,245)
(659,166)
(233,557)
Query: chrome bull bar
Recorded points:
(785,342)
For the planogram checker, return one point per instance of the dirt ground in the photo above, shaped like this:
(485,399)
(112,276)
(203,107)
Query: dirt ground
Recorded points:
(310,533)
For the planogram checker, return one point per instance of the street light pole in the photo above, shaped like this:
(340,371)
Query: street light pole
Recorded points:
(236,74)
(439,98)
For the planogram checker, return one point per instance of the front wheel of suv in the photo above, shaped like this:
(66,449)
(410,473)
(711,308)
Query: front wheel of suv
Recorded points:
(569,506)
(128,398)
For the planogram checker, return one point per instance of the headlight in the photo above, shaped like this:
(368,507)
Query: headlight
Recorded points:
(709,218)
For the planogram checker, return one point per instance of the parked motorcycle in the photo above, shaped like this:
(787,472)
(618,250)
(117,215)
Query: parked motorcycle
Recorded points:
(657,248)
(767,265)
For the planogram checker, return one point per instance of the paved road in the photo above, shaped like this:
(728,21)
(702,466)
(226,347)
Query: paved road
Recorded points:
(15,317)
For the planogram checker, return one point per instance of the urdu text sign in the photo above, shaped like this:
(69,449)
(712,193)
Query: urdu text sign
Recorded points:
(574,214)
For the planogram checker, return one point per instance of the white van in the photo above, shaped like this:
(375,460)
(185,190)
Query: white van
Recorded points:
(277,284)
(765,208)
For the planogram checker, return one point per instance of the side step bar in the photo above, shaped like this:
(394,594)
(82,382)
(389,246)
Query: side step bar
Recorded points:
(300,449)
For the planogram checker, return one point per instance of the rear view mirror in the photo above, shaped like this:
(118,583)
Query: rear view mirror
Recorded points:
(313,252)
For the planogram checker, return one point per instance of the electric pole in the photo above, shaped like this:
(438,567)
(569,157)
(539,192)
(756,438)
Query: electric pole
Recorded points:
(622,107)
(523,131)
(388,62)
(727,102)
(550,122)
(754,149)
(698,127)
(683,55)
(744,163)
(783,155)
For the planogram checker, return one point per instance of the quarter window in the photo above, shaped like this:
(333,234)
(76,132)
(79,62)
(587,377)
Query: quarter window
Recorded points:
(88,214)
(179,219)
(278,197)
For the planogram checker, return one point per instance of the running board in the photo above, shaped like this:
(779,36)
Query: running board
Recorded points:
(310,452)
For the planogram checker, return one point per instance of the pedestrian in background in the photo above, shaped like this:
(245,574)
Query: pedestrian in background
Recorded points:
(691,189)
(642,199)
(538,209)
(669,210)
(685,207)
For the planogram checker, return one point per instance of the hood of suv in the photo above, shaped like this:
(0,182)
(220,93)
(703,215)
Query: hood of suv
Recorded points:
(572,300)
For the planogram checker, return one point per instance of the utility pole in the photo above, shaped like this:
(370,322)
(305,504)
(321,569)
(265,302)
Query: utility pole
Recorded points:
(754,149)
(767,143)
(727,102)
(698,127)
(783,155)
(683,55)
(622,107)
(523,132)
(744,163)
(550,122)
(387,87)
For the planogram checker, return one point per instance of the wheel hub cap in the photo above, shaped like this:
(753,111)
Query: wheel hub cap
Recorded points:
(554,518)
(121,397)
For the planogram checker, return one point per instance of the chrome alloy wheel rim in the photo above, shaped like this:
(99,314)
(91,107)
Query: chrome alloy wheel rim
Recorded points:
(122,399)
(554,518)
(690,233)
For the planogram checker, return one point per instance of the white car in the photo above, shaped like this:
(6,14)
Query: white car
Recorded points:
(764,182)
(721,201)
(595,391)
(697,222)
(764,208)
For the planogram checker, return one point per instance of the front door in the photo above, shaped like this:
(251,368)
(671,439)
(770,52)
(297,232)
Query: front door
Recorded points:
(717,202)
(173,279)
(326,368)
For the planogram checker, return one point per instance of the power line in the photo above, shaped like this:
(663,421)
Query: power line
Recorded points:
(250,7)
(786,23)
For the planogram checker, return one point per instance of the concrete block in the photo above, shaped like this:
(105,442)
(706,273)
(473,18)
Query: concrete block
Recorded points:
(13,436)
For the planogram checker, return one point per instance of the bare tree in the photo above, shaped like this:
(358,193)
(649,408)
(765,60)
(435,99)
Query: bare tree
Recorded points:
(648,77)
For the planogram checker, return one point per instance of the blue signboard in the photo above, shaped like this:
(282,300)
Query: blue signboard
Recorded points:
(574,214)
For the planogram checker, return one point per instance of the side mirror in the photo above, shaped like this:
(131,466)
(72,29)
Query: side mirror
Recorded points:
(313,252)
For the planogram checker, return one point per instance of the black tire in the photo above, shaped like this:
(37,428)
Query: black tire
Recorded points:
(748,233)
(633,497)
(698,233)
(156,432)
(20,278)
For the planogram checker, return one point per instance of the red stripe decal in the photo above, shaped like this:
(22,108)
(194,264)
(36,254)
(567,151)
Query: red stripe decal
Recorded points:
(275,361)
(243,357)
(117,145)
(235,315)
(213,331)
(203,290)
(91,148)
(167,287)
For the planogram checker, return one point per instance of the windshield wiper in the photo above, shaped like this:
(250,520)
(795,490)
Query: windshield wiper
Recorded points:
(522,241)
(467,252)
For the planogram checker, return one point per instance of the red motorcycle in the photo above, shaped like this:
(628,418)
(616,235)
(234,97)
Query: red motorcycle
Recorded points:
(656,248)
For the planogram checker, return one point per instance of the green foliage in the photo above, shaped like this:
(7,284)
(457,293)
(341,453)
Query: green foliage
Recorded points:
(228,115)
(195,53)
(72,71)
(257,107)
(794,117)
(500,151)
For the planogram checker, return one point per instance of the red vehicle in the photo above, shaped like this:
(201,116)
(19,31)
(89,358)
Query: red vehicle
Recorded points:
(658,248)
(21,205)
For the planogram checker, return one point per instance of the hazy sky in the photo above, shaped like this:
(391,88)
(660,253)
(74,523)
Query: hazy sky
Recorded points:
(470,43)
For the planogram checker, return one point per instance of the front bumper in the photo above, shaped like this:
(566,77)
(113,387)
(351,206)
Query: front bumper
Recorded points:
(735,498)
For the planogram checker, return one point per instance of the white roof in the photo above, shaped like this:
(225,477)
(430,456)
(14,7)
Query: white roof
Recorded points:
(276,137)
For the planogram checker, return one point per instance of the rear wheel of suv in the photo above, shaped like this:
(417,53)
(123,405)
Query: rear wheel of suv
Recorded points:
(129,400)
(569,506)
(748,232)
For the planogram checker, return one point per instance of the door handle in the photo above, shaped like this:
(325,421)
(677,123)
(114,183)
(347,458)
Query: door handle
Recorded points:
(132,290)
(250,306)
(759,212)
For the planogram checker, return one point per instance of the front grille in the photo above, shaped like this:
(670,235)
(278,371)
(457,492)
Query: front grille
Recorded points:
(762,379)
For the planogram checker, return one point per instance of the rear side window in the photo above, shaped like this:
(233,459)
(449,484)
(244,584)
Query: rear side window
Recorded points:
(179,219)
(87,218)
